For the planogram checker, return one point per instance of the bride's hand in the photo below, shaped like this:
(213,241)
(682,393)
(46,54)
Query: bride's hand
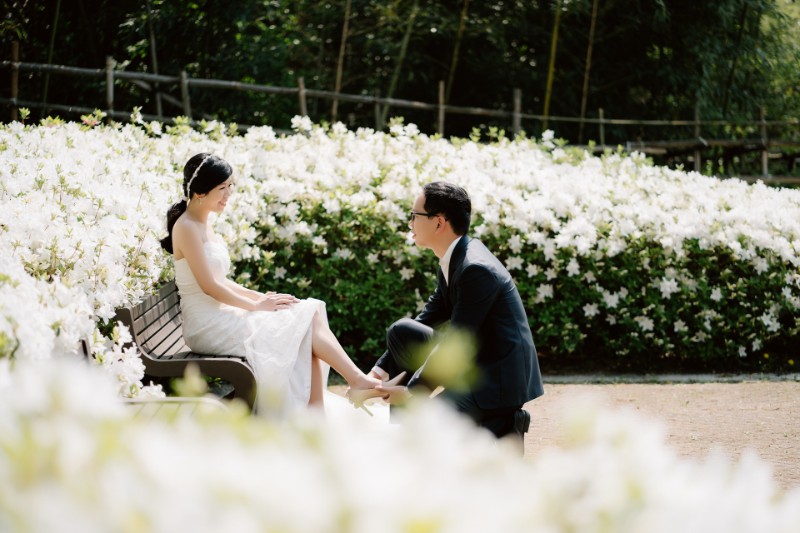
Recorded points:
(273,301)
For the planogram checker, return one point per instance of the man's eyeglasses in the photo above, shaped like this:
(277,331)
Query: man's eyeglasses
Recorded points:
(414,214)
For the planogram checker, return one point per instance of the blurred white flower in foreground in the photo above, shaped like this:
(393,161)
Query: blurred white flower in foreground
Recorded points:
(72,458)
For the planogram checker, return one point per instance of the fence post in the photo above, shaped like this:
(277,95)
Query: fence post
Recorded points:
(762,116)
(301,94)
(110,63)
(378,114)
(697,162)
(187,105)
(14,78)
(602,129)
(440,121)
(516,123)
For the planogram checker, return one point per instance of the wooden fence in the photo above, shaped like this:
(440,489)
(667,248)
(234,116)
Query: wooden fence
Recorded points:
(153,83)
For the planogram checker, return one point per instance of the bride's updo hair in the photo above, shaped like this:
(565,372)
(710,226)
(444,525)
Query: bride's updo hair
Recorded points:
(201,174)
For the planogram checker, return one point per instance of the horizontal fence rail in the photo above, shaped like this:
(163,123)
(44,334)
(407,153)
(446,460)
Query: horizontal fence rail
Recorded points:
(184,82)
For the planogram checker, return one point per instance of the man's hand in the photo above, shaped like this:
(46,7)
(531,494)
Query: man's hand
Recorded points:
(394,394)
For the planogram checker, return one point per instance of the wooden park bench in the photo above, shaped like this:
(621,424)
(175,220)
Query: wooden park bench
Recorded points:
(156,326)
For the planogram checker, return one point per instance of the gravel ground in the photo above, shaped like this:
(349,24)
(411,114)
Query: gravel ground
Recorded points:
(733,414)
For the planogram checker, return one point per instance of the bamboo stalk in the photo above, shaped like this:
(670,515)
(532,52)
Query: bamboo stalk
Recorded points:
(50,50)
(552,65)
(340,62)
(440,121)
(154,58)
(401,58)
(462,22)
(587,68)
(14,78)
(765,152)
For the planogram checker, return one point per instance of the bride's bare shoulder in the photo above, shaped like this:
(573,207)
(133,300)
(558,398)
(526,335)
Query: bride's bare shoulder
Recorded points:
(187,232)
(185,224)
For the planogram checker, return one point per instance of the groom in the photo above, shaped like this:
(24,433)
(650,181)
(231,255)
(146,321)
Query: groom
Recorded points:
(476,294)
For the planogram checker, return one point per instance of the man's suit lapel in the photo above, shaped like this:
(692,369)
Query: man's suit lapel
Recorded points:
(456,261)
(443,288)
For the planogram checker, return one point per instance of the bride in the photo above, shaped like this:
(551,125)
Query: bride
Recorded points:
(286,340)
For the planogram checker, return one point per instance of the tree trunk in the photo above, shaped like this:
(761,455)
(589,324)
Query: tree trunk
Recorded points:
(340,63)
(401,57)
(551,67)
(454,62)
(587,69)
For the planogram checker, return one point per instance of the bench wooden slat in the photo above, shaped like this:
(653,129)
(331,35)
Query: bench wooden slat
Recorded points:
(152,300)
(189,355)
(169,340)
(159,331)
(156,327)
(164,310)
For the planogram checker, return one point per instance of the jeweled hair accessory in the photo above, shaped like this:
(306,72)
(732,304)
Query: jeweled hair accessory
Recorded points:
(194,175)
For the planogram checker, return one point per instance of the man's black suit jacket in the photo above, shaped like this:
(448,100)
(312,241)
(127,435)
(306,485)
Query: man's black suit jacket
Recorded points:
(482,299)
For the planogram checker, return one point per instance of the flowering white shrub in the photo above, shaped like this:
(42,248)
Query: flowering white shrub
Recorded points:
(630,265)
(616,260)
(72,458)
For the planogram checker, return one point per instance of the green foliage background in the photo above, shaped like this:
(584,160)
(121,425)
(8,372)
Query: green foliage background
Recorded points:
(656,60)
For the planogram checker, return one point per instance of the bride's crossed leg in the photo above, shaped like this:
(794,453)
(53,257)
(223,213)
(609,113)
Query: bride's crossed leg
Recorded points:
(325,347)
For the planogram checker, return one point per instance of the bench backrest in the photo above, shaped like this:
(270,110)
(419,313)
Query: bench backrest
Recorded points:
(156,323)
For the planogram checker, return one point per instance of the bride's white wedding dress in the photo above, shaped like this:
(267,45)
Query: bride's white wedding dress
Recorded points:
(277,344)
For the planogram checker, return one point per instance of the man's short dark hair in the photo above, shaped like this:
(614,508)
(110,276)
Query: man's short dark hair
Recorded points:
(451,201)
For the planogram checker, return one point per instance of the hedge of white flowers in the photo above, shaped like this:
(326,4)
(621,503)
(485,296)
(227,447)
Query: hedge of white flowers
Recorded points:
(72,458)
(618,261)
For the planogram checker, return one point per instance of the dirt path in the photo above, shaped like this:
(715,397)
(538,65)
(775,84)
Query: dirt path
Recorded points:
(759,415)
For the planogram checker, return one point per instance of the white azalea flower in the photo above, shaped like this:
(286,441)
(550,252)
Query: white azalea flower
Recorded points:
(343,253)
(573,268)
(544,292)
(611,300)
(770,321)
(514,263)
(645,323)
(668,287)
(301,124)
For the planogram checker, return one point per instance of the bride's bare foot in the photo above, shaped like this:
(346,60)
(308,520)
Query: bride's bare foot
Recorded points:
(364,382)
(363,390)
